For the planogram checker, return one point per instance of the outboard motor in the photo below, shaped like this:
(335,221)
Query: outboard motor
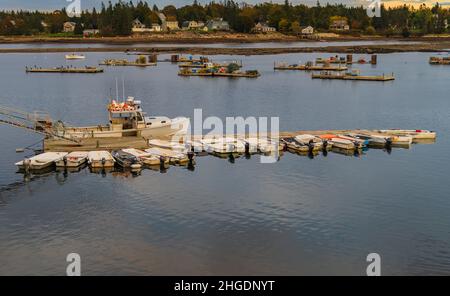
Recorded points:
(65,161)
(247,148)
(190,156)
(26,165)
(103,161)
(310,146)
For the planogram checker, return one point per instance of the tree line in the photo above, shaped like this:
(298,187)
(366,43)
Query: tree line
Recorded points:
(116,19)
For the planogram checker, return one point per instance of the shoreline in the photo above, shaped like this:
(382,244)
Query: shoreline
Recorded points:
(362,49)
(189,37)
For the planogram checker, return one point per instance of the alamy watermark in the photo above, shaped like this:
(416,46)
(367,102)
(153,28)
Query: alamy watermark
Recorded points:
(257,130)
(74,8)
(373,9)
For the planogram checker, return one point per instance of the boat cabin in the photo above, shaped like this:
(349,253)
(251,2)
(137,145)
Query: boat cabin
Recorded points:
(126,115)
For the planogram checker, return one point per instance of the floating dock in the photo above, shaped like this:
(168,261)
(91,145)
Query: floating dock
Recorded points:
(353,77)
(127,63)
(248,74)
(86,70)
(439,61)
(310,68)
(92,144)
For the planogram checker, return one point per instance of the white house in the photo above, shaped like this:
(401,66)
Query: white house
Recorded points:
(307,30)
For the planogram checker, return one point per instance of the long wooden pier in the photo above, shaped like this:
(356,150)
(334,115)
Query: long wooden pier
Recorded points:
(86,70)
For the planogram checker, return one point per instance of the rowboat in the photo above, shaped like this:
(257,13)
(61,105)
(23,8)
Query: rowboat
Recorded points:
(73,159)
(373,140)
(100,159)
(294,145)
(40,161)
(358,142)
(311,141)
(401,140)
(145,157)
(167,154)
(416,134)
(74,56)
(342,143)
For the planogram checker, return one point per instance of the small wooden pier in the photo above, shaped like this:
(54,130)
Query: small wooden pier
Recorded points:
(85,70)
(353,77)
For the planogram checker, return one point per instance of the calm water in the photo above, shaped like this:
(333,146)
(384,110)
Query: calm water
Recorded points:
(299,216)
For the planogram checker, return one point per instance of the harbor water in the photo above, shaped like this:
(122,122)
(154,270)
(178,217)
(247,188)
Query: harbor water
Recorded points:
(299,216)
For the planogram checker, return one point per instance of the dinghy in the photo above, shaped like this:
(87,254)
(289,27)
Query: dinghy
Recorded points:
(294,145)
(40,161)
(100,159)
(144,157)
(374,141)
(310,140)
(73,159)
(359,143)
(171,155)
(126,160)
(342,143)
(74,56)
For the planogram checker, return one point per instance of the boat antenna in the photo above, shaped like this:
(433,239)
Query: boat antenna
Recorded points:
(110,94)
(117,91)
(123,88)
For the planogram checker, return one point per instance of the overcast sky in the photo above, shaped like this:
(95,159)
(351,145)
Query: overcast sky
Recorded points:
(88,4)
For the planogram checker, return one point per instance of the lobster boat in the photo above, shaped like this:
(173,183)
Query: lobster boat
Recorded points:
(126,119)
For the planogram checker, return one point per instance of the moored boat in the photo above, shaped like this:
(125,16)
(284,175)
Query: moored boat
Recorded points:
(126,119)
(126,160)
(145,157)
(74,56)
(172,156)
(100,159)
(373,140)
(40,161)
(73,159)
(342,143)
(313,142)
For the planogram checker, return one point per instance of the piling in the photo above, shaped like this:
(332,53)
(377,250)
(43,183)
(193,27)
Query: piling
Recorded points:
(174,58)
(373,59)
(349,58)
(153,58)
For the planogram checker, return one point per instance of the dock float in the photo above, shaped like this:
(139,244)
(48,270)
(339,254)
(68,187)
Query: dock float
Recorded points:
(353,77)
(140,62)
(310,68)
(86,70)
(439,61)
(247,74)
